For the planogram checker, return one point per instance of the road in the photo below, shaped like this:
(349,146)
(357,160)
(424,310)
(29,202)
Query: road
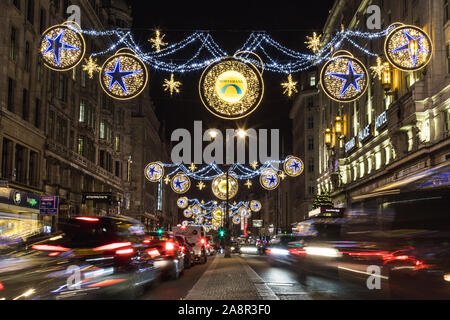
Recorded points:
(268,282)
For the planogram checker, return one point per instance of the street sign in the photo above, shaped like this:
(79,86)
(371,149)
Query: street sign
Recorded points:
(49,205)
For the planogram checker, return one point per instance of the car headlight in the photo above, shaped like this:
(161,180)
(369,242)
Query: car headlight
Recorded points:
(322,252)
(447,277)
(279,252)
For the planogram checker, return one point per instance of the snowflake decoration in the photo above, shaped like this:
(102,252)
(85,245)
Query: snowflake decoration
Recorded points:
(171,85)
(254,165)
(377,71)
(248,184)
(167,179)
(290,87)
(192,167)
(313,42)
(157,42)
(91,66)
(201,186)
(282,175)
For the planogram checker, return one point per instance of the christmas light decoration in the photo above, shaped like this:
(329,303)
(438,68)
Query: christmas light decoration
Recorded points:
(91,66)
(269,179)
(408,48)
(293,166)
(183,203)
(154,171)
(377,71)
(282,175)
(180,183)
(220,185)
(313,42)
(255,206)
(187,213)
(290,87)
(193,167)
(254,165)
(231,88)
(236,220)
(62,47)
(167,180)
(201,186)
(158,41)
(171,85)
(123,76)
(344,78)
(248,184)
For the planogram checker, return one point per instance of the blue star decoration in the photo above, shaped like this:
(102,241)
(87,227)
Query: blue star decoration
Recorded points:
(179,184)
(117,76)
(296,166)
(413,45)
(56,45)
(351,78)
(272,181)
(152,171)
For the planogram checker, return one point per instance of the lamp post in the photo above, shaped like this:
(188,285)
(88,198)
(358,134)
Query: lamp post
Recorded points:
(227,221)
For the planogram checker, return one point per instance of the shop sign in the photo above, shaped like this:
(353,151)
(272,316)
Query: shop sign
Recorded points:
(49,205)
(381,121)
(350,145)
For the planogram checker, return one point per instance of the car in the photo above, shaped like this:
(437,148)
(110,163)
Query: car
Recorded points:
(235,246)
(169,256)
(187,250)
(250,249)
(93,258)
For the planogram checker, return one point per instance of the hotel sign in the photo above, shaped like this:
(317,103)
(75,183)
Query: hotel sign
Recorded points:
(365,134)
(350,145)
(381,121)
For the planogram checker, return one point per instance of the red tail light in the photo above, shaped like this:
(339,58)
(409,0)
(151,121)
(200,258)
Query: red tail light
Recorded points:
(113,246)
(2,286)
(146,241)
(182,249)
(45,247)
(153,253)
(123,252)
(88,219)
(170,246)
(207,245)
(202,241)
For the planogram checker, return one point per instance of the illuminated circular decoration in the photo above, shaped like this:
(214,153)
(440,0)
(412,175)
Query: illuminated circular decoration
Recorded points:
(154,171)
(344,78)
(293,166)
(231,88)
(408,48)
(217,213)
(219,187)
(187,213)
(255,206)
(199,220)
(180,183)
(242,211)
(269,179)
(62,48)
(206,228)
(196,210)
(123,76)
(183,203)
(236,219)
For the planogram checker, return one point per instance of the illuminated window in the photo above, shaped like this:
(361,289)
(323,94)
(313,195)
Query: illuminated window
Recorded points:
(312,80)
(117,143)
(81,117)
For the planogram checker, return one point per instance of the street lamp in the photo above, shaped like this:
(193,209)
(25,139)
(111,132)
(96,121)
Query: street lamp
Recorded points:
(338,125)
(386,79)
(328,137)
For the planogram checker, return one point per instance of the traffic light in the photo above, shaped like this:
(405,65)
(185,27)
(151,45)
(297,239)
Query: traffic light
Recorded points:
(160,231)
(221,233)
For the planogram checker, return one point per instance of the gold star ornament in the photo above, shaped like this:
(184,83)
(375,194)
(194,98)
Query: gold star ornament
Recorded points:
(313,43)
(158,41)
(282,175)
(91,66)
(254,165)
(171,85)
(201,186)
(248,184)
(192,167)
(167,179)
(290,87)
(377,71)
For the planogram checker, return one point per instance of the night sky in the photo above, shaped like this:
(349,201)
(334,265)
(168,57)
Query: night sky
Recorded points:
(230,24)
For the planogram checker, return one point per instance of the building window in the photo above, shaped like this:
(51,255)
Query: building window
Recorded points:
(117,143)
(311,165)
(37,114)
(11,87)
(311,122)
(42,20)
(446,11)
(312,190)
(25,105)
(62,88)
(7,153)
(20,167)
(117,169)
(51,124)
(61,130)
(80,146)
(12,44)
(34,169)
(39,69)
(27,57)
(310,143)
(83,79)
(30,11)
(312,80)
(17,3)
(102,129)
(81,117)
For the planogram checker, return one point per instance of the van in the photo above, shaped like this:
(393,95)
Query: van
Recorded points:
(195,236)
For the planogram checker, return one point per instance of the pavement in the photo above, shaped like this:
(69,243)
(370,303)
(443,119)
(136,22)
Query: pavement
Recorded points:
(230,279)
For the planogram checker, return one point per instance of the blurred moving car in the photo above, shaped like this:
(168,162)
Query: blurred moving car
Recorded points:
(185,247)
(94,258)
(250,249)
(169,255)
(235,247)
